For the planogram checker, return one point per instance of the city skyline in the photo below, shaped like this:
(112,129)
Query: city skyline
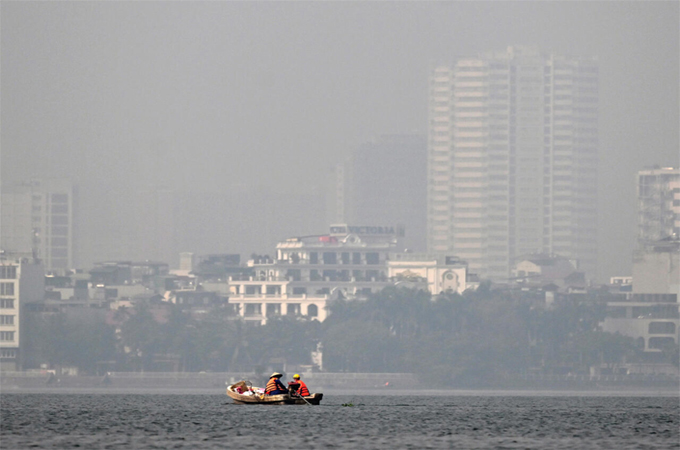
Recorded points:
(207,96)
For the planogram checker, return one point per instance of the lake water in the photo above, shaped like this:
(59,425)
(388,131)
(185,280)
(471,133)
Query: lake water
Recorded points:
(161,421)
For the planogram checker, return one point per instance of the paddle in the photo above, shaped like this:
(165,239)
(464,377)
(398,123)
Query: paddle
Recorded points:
(305,400)
(300,395)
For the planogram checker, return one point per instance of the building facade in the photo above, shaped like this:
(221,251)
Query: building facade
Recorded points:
(512,159)
(39,217)
(350,261)
(257,299)
(22,280)
(651,313)
(438,274)
(658,192)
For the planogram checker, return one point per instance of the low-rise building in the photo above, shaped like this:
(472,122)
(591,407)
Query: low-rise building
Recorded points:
(651,313)
(257,300)
(437,273)
(542,270)
(349,261)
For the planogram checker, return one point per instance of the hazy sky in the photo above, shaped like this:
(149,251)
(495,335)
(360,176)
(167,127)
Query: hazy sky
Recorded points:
(207,95)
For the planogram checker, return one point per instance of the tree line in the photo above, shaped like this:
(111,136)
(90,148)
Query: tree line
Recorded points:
(475,338)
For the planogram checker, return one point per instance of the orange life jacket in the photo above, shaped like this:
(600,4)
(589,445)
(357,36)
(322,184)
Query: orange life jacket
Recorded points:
(302,390)
(274,384)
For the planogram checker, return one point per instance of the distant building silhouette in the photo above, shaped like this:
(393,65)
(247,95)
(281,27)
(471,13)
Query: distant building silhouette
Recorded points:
(39,217)
(384,182)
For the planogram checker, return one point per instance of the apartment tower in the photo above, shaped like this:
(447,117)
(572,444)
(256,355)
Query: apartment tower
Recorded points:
(658,204)
(512,159)
(38,217)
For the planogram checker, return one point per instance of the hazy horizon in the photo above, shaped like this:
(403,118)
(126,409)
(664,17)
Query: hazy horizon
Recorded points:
(209,96)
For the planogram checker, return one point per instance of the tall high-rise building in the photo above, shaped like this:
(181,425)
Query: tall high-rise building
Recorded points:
(39,217)
(512,165)
(658,204)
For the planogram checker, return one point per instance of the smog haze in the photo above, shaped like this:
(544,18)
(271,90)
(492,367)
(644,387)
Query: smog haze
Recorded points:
(258,101)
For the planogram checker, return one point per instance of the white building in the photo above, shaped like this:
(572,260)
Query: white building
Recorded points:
(350,260)
(512,165)
(39,216)
(261,298)
(651,314)
(21,281)
(658,204)
(442,274)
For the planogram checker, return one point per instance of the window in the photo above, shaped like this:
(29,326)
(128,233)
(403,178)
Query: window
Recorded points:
(8,353)
(273,290)
(6,335)
(372,258)
(8,272)
(312,311)
(330,275)
(294,274)
(59,252)
(661,342)
(299,291)
(59,231)
(7,303)
(293,309)
(253,290)
(59,220)
(273,309)
(344,257)
(253,309)
(59,198)
(330,258)
(313,258)
(59,242)
(356,258)
(654,327)
(6,320)
(6,288)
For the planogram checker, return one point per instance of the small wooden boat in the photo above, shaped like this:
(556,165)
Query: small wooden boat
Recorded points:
(244,394)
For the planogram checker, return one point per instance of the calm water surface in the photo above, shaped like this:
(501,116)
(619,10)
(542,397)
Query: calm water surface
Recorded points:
(211,421)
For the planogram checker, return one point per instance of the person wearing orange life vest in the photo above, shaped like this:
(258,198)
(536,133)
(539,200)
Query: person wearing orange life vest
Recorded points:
(274,385)
(302,389)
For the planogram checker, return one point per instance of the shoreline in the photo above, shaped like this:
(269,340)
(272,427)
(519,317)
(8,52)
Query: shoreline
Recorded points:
(650,391)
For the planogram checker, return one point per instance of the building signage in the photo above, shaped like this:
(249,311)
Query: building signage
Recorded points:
(364,230)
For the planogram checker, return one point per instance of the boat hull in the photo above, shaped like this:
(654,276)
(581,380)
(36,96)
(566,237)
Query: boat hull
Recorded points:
(282,399)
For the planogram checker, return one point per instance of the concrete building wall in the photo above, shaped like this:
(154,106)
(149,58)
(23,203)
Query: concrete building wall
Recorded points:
(658,192)
(653,334)
(656,273)
(20,282)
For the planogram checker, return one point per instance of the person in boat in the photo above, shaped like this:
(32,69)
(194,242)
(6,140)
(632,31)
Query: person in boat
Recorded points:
(274,385)
(299,386)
